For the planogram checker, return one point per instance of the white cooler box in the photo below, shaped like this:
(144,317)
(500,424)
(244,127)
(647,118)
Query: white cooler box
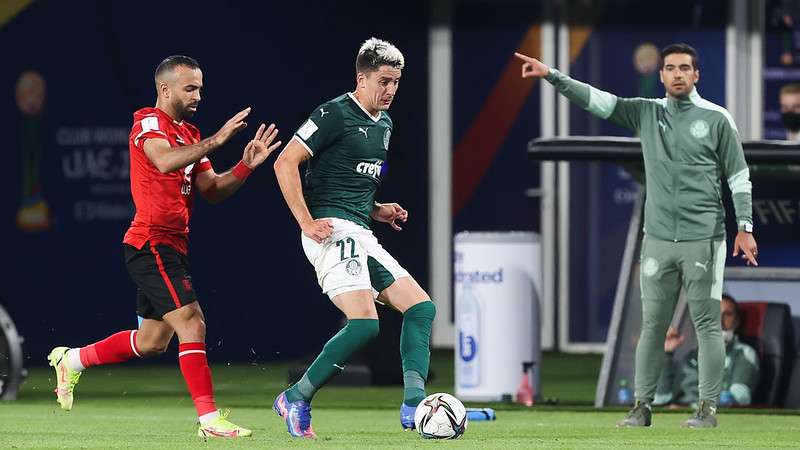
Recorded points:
(497,290)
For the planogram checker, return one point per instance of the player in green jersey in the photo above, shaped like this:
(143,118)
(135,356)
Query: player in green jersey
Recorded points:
(688,144)
(344,144)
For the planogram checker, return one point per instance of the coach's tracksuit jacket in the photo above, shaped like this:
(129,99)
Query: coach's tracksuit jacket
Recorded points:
(688,145)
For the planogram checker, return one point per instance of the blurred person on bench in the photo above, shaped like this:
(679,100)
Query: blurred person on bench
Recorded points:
(678,385)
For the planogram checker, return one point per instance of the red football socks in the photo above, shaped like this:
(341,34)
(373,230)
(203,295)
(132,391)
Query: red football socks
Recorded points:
(116,348)
(194,366)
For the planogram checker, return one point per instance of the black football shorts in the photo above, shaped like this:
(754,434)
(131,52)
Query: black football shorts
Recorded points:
(161,274)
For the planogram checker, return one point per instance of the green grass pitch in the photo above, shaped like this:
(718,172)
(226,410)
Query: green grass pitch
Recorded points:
(147,407)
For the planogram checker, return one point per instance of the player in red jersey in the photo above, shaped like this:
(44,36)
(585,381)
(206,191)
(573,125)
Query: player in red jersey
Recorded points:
(168,163)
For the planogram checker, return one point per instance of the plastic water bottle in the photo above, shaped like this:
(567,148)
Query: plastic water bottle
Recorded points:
(725,397)
(475,414)
(624,394)
(525,392)
(469,330)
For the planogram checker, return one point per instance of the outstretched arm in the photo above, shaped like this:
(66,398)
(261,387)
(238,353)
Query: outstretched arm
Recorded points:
(217,187)
(605,105)
(166,159)
(577,92)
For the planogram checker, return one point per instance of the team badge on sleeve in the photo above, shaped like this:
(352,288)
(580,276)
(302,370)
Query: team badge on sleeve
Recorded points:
(150,124)
(307,129)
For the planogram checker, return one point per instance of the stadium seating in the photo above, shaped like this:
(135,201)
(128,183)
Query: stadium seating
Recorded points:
(769,329)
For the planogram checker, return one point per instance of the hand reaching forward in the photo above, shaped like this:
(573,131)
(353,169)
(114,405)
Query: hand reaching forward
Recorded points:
(234,125)
(257,150)
(532,67)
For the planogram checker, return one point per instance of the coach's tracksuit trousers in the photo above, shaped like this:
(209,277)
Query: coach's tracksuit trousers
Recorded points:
(666,266)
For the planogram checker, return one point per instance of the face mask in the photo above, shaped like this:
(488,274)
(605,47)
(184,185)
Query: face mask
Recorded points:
(727,336)
(791,121)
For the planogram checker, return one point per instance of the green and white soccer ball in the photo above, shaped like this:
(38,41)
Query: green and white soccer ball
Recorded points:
(440,416)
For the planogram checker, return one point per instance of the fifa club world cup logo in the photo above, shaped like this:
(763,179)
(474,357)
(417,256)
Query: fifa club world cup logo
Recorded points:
(33,214)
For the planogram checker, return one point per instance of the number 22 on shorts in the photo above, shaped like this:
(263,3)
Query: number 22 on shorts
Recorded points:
(342,243)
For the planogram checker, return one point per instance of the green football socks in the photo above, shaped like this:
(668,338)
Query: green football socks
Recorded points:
(415,351)
(333,357)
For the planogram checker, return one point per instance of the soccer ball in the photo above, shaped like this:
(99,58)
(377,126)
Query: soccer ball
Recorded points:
(440,416)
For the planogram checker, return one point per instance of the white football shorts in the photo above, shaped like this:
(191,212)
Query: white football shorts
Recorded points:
(351,259)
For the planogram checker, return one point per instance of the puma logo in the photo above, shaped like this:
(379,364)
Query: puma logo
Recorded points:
(702,266)
(338,367)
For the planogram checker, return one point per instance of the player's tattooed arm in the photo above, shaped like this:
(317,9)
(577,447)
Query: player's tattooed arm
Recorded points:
(389,213)
(167,160)
(287,172)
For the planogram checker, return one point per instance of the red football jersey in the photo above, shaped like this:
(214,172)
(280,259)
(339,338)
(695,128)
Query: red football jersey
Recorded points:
(163,200)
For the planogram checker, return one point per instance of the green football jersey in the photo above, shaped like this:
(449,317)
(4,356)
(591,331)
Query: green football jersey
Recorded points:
(348,150)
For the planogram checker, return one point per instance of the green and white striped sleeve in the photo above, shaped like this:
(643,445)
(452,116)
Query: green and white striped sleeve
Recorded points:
(622,111)
(736,171)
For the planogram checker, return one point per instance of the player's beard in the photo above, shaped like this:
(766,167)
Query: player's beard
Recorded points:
(679,93)
(680,88)
(185,111)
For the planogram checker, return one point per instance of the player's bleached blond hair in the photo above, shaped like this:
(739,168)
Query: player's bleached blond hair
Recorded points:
(375,53)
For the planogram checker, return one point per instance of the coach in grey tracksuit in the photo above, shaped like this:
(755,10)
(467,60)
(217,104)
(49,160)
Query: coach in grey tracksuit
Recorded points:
(688,144)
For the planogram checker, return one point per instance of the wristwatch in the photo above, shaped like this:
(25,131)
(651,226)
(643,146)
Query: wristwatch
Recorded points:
(747,227)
